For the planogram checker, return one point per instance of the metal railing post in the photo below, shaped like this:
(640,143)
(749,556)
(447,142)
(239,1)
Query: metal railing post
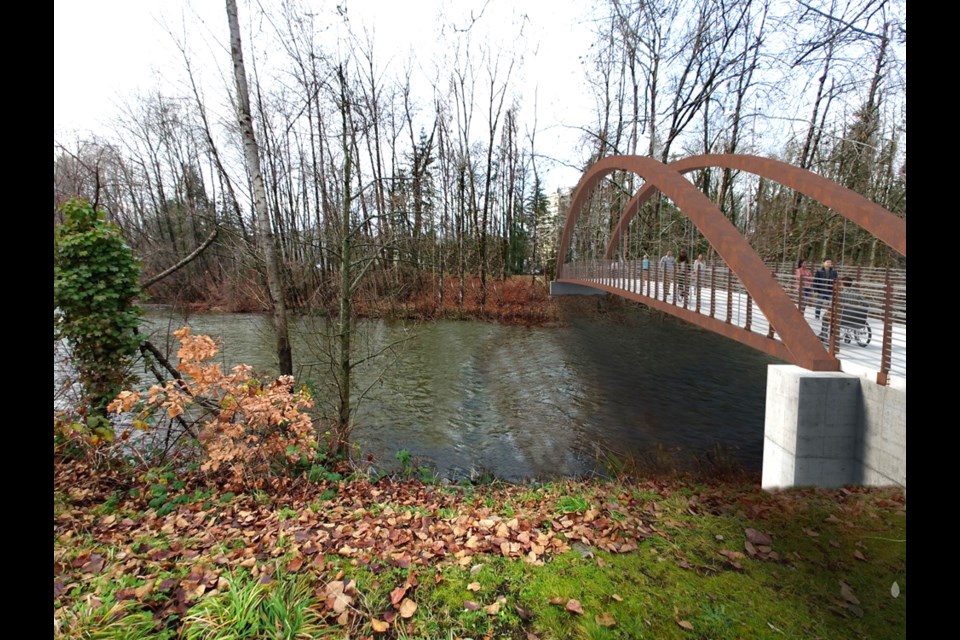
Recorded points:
(713,291)
(834,319)
(886,349)
(769,324)
(729,296)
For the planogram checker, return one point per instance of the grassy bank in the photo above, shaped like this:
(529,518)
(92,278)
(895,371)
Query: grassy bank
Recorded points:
(163,555)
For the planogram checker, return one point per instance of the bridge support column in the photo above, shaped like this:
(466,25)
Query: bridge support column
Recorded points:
(571,289)
(828,429)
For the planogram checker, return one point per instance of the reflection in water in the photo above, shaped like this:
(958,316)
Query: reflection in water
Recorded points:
(530,402)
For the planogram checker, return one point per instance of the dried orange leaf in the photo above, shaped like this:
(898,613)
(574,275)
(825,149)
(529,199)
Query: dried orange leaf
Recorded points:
(605,619)
(379,626)
(574,606)
(686,625)
(397,595)
(407,608)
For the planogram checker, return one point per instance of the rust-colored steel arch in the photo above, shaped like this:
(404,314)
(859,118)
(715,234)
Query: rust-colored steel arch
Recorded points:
(799,340)
(887,227)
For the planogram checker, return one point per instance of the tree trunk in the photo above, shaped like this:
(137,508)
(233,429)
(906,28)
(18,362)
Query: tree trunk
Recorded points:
(252,157)
(346,294)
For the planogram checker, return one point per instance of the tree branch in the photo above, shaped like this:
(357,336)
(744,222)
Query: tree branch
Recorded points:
(196,252)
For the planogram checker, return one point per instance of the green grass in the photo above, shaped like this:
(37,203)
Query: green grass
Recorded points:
(283,609)
(572,504)
(676,584)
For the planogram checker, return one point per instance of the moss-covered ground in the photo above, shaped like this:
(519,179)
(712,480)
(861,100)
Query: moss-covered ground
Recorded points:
(159,555)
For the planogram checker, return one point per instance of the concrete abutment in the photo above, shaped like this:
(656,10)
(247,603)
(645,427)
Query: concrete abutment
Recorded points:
(828,429)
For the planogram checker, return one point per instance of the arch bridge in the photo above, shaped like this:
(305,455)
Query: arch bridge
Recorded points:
(738,295)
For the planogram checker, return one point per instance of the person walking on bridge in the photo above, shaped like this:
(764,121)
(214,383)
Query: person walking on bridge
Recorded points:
(823,284)
(666,269)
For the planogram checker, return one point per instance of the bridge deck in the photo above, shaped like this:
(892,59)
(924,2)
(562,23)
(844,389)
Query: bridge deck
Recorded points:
(854,359)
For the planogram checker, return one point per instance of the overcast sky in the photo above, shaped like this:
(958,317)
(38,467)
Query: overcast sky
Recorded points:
(105,51)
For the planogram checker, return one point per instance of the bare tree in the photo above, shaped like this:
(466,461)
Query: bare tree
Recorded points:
(264,226)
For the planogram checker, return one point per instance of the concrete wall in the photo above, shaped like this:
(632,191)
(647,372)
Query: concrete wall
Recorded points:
(829,429)
(882,443)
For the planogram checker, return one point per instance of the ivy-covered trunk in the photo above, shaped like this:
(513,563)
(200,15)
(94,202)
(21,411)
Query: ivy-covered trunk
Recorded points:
(95,287)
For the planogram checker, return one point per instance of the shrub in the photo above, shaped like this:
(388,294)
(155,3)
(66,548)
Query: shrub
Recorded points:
(249,428)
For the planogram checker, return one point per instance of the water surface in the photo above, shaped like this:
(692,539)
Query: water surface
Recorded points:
(521,402)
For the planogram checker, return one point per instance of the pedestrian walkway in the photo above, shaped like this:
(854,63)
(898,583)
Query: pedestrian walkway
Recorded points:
(717,301)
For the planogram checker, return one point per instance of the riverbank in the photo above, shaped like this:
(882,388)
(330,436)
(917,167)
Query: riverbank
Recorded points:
(159,555)
(518,300)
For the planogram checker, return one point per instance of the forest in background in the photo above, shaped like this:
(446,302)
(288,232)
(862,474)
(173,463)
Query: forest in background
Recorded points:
(443,186)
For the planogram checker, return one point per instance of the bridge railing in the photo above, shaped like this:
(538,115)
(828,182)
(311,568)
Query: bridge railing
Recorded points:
(879,296)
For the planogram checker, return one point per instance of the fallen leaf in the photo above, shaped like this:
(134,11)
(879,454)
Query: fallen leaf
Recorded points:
(470,605)
(532,636)
(556,601)
(94,565)
(686,625)
(811,533)
(834,543)
(858,555)
(338,597)
(473,586)
(574,606)
(895,590)
(407,608)
(605,619)
(616,597)
(758,537)
(397,595)
(601,563)
(847,593)
(379,626)
(294,565)
(493,609)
